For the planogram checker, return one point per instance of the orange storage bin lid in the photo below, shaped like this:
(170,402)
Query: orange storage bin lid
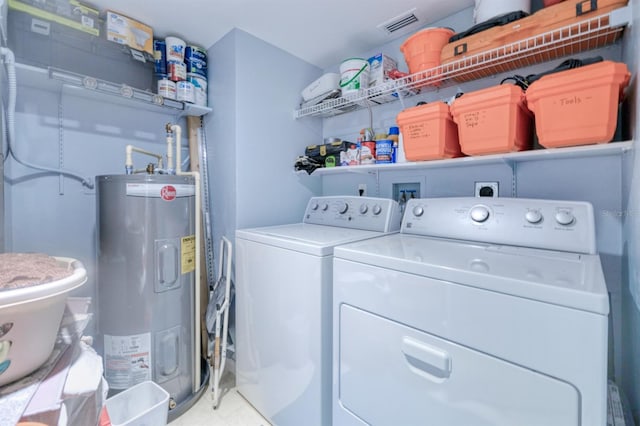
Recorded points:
(578,106)
(488,97)
(428,132)
(493,120)
(424,112)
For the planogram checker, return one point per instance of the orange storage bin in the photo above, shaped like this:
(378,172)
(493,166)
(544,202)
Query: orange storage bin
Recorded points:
(428,132)
(578,106)
(493,120)
(422,51)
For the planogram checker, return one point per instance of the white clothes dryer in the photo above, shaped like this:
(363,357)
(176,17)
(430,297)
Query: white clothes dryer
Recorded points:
(480,312)
(283,305)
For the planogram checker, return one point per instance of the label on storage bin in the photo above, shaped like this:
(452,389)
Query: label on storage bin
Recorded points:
(418,130)
(474,119)
(127,360)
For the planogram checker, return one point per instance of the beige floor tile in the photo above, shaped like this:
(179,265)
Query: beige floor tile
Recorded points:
(233,409)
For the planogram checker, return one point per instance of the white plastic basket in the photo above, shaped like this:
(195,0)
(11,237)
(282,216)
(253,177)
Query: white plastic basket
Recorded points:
(145,404)
(29,321)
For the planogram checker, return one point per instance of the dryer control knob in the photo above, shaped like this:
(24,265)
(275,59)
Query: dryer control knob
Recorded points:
(343,207)
(315,206)
(364,208)
(533,216)
(377,209)
(479,214)
(325,206)
(418,211)
(565,218)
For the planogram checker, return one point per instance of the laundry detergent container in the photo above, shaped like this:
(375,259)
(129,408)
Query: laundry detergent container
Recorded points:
(578,106)
(422,52)
(493,120)
(428,132)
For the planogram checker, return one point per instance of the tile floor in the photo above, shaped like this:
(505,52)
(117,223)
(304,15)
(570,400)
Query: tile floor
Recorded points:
(233,409)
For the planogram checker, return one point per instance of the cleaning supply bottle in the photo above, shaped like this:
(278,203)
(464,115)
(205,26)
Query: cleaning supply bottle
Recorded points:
(367,148)
(401,157)
(394,136)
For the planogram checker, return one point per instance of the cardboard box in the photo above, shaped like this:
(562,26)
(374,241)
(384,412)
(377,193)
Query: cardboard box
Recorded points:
(70,13)
(127,31)
(41,43)
(379,67)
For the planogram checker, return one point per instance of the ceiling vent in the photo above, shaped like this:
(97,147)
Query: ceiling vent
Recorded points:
(400,24)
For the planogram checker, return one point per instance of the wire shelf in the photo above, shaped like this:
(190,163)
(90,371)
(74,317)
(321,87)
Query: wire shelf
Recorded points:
(119,92)
(588,34)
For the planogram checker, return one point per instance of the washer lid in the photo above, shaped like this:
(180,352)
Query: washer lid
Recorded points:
(561,278)
(318,240)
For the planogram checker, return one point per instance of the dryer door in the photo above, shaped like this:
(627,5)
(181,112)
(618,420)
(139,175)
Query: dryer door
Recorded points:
(396,375)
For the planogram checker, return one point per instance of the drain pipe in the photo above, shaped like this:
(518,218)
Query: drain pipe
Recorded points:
(175,129)
(170,148)
(10,62)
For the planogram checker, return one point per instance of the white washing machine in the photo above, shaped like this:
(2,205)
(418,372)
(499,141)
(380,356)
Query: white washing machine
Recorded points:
(283,305)
(479,312)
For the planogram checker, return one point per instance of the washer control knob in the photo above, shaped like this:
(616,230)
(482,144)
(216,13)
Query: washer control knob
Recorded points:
(533,216)
(364,208)
(479,214)
(377,209)
(325,207)
(418,211)
(314,206)
(565,218)
(343,207)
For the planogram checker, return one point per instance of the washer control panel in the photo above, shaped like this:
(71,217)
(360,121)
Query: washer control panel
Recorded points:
(546,224)
(368,213)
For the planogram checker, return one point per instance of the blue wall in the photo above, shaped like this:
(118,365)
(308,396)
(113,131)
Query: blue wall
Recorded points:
(253,139)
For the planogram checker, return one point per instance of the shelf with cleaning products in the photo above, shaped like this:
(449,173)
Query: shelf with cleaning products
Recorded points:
(584,151)
(54,79)
(591,33)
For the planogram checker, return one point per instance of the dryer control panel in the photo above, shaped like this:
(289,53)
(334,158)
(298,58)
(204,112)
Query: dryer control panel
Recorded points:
(368,213)
(546,224)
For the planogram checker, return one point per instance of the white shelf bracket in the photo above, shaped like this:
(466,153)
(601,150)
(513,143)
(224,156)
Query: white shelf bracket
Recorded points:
(620,17)
(513,165)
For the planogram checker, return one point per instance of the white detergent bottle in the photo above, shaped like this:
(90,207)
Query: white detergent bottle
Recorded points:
(400,158)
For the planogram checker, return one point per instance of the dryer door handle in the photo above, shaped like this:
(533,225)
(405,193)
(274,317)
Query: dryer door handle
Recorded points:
(426,360)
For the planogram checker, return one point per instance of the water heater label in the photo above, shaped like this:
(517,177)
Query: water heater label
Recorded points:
(160,190)
(188,250)
(127,360)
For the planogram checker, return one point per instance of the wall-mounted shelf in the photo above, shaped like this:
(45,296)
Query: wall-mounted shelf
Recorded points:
(590,33)
(54,79)
(598,150)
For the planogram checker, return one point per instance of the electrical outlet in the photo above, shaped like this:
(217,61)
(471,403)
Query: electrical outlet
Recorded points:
(486,189)
(362,189)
